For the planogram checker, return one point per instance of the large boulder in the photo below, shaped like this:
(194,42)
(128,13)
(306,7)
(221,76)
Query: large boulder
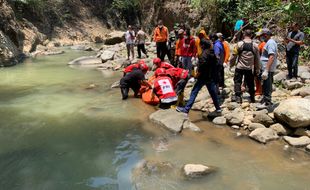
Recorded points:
(115,37)
(107,55)
(197,170)
(263,135)
(86,60)
(8,51)
(305,91)
(295,112)
(297,142)
(169,119)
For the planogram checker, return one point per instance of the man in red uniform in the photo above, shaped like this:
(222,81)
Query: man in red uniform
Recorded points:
(179,79)
(140,65)
(188,51)
(157,63)
(163,89)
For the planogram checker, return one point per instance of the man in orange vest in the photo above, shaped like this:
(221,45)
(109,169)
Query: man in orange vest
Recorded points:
(161,35)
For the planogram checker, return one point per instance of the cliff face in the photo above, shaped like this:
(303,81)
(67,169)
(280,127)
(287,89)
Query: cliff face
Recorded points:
(24,26)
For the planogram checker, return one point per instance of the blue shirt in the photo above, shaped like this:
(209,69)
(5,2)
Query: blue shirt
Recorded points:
(219,51)
(271,48)
(239,25)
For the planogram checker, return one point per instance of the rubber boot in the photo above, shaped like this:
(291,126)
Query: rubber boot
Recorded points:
(258,85)
(180,101)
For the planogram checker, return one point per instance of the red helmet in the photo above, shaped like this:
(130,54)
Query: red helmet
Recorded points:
(144,67)
(160,72)
(141,62)
(156,61)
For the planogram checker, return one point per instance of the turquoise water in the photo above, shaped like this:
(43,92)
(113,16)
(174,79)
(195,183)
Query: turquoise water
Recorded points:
(56,133)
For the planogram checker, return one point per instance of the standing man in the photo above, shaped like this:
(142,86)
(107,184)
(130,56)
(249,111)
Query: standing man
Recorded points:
(161,35)
(268,65)
(173,36)
(188,51)
(202,35)
(178,46)
(207,74)
(226,49)
(219,53)
(130,42)
(246,54)
(140,39)
(294,40)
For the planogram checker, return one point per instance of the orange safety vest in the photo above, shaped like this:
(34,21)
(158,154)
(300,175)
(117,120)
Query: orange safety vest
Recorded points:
(226,51)
(160,35)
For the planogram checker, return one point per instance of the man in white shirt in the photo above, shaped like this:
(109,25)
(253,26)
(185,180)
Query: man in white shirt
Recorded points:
(130,42)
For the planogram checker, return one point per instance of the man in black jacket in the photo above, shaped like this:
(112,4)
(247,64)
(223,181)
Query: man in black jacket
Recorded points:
(207,75)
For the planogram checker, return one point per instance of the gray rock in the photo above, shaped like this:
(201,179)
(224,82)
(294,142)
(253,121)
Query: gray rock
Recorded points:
(235,118)
(116,84)
(86,60)
(254,126)
(302,69)
(279,77)
(302,132)
(305,75)
(308,148)
(197,170)
(297,142)
(263,135)
(191,126)
(235,127)
(295,112)
(219,120)
(169,119)
(107,55)
(115,37)
(81,48)
(279,129)
(263,119)
(291,85)
(232,105)
(305,91)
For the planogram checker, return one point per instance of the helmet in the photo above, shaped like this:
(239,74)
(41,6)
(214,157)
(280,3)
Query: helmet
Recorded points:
(156,61)
(160,72)
(141,62)
(144,67)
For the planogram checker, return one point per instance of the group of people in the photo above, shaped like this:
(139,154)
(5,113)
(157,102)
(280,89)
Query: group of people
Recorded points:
(254,63)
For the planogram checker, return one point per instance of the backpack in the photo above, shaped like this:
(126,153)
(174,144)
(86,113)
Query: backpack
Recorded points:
(247,47)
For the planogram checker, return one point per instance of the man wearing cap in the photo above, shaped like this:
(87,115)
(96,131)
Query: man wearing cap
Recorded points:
(173,36)
(268,66)
(294,40)
(178,46)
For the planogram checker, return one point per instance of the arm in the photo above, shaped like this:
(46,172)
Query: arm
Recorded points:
(270,61)
(233,58)
(144,82)
(256,62)
(299,42)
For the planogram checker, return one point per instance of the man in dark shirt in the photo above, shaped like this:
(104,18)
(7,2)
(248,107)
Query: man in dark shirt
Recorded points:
(207,76)
(294,40)
(133,80)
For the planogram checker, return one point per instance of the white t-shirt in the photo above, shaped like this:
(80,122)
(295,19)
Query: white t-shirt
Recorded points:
(130,37)
(141,37)
(271,48)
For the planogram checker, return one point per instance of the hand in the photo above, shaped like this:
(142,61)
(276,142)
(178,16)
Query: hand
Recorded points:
(225,65)
(265,75)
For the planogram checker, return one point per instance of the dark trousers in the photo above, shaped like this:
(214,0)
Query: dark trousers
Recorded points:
(125,89)
(267,88)
(292,63)
(249,81)
(221,75)
(172,57)
(211,86)
(180,86)
(162,50)
(141,47)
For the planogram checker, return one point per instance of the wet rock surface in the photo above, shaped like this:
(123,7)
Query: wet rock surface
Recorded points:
(197,170)
(297,142)
(263,135)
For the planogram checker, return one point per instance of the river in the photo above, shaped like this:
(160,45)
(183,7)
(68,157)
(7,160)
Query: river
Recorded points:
(56,133)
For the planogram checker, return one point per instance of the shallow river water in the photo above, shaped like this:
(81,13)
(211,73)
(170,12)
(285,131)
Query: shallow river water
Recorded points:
(56,134)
